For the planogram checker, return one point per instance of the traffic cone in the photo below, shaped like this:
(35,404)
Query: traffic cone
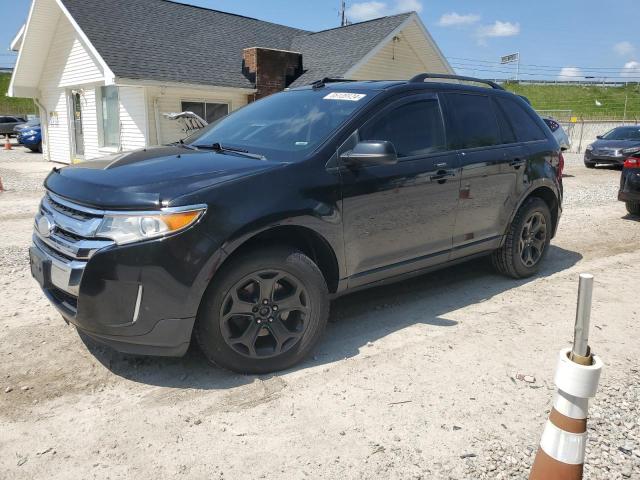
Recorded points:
(7,143)
(563,442)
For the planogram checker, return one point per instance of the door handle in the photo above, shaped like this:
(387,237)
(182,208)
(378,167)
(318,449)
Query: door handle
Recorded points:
(517,163)
(441,176)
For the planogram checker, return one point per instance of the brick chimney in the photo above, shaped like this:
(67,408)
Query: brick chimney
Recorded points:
(270,70)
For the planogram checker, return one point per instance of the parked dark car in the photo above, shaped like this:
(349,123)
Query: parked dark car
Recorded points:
(31,137)
(613,147)
(245,231)
(7,122)
(29,123)
(629,192)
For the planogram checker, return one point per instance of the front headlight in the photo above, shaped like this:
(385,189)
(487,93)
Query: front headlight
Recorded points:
(629,151)
(29,133)
(589,148)
(132,227)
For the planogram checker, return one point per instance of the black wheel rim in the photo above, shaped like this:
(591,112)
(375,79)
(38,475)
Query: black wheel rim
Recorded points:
(264,314)
(533,239)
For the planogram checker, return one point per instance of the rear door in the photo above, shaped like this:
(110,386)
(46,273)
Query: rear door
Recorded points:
(488,172)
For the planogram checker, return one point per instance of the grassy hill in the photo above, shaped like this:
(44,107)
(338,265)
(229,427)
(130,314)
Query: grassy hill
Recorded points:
(580,100)
(13,106)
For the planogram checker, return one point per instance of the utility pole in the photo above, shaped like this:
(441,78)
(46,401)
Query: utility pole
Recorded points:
(626,99)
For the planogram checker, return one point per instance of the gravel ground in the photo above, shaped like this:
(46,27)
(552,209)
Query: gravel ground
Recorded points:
(415,380)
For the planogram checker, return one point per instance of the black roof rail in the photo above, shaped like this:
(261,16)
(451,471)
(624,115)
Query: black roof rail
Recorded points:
(321,83)
(423,76)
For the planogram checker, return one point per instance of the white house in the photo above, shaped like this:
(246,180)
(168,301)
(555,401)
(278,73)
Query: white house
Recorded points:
(103,72)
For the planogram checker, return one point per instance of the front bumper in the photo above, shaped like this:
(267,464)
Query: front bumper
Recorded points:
(140,298)
(629,185)
(590,157)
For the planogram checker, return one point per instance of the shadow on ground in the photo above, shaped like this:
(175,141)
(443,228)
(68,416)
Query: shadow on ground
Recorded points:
(356,320)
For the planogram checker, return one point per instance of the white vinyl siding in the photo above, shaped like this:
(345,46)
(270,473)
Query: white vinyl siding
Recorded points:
(169,100)
(133,118)
(400,60)
(69,64)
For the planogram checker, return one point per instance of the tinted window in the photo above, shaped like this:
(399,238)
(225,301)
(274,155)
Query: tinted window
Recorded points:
(414,129)
(3,120)
(523,124)
(552,124)
(473,121)
(623,133)
(284,126)
(506,130)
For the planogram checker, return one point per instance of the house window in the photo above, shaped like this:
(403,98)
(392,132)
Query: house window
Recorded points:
(110,116)
(209,111)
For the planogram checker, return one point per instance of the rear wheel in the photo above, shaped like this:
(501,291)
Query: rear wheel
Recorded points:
(527,240)
(264,311)
(633,208)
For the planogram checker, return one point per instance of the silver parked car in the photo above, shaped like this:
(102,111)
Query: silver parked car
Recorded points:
(558,132)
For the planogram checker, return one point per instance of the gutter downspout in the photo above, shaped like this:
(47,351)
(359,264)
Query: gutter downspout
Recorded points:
(156,114)
(46,130)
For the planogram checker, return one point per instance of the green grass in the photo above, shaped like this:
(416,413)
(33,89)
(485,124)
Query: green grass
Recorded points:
(13,106)
(581,100)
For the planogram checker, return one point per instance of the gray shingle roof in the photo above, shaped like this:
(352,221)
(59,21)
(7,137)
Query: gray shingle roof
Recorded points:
(331,53)
(172,42)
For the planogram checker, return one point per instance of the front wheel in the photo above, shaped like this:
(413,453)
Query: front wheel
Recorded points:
(527,240)
(264,311)
(633,208)
(589,165)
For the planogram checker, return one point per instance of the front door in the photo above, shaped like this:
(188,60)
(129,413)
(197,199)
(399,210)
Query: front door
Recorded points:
(76,126)
(399,218)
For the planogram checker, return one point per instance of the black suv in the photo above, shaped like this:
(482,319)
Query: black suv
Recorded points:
(242,233)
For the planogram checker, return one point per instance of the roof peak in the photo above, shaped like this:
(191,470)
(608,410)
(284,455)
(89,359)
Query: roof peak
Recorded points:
(406,14)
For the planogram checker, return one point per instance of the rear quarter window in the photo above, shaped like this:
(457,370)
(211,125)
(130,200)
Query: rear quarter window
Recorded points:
(524,126)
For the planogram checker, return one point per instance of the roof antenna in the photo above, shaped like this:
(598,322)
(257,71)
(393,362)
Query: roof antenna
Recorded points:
(344,21)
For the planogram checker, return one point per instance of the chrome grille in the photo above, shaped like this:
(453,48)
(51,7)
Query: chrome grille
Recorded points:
(69,241)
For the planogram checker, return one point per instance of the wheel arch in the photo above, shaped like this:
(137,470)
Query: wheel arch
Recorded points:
(549,196)
(307,240)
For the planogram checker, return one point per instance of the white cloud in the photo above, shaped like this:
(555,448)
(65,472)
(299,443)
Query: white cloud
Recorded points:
(453,19)
(571,73)
(631,70)
(359,12)
(624,48)
(499,29)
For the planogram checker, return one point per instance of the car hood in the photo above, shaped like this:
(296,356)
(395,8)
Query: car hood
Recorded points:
(615,143)
(149,178)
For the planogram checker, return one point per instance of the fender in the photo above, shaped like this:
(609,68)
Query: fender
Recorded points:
(536,184)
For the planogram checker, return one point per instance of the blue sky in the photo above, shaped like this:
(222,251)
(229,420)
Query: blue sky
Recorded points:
(569,39)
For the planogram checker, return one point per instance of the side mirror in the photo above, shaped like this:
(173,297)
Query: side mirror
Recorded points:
(370,152)
(599,137)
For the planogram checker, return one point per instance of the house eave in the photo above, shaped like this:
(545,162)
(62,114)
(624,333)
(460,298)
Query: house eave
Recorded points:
(130,82)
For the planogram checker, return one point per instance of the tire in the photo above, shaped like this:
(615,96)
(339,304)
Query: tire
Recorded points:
(247,342)
(589,165)
(633,208)
(510,258)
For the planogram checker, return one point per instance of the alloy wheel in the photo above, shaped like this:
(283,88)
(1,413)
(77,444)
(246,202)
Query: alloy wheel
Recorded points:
(264,314)
(533,239)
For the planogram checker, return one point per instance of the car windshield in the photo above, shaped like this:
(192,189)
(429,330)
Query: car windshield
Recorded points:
(286,126)
(623,133)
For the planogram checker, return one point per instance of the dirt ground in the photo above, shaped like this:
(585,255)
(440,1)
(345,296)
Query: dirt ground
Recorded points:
(407,379)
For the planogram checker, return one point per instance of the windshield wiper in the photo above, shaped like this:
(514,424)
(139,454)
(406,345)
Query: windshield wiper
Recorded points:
(217,147)
(180,143)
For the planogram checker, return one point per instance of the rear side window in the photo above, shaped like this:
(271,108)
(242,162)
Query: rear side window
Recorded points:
(526,128)
(473,122)
(506,130)
(553,125)
(414,128)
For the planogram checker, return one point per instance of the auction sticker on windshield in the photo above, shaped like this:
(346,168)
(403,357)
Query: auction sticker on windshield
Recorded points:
(351,97)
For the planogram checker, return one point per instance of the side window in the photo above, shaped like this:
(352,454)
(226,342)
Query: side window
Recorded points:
(3,120)
(526,128)
(473,122)
(414,129)
(506,130)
